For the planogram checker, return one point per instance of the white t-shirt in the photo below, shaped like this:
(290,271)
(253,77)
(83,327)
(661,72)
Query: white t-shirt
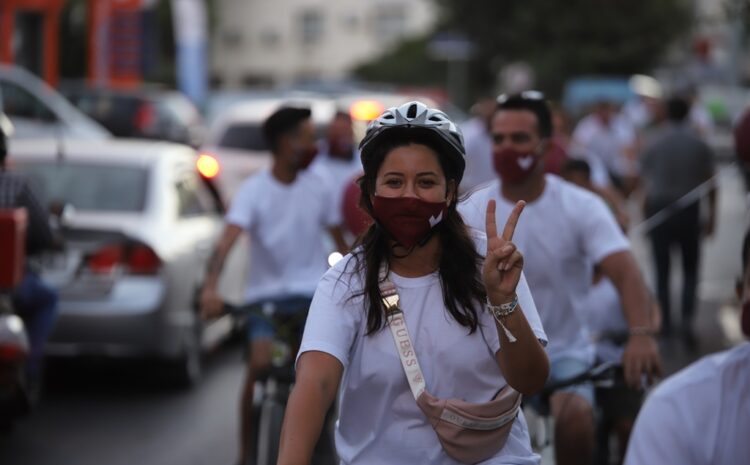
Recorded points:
(478,143)
(337,174)
(699,416)
(287,224)
(379,420)
(607,142)
(599,174)
(602,311)
(561,235)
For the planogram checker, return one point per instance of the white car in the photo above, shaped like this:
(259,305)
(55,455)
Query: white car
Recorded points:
(236,140)
(142,227)
(36,110)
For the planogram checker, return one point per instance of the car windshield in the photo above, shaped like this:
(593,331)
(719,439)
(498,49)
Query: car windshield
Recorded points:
(90,187)
(244,137)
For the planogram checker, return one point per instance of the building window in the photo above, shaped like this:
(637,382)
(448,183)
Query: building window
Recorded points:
(311,26)
(231,38)
(390,23)
(350,22)
(270,38)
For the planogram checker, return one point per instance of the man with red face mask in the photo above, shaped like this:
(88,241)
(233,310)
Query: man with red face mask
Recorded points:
(701,415)
(338,162)
(565,232)
(286,210)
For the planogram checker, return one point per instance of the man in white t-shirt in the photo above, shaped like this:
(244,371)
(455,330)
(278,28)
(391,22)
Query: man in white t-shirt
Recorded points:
(565,231)
(478,145)
(286,211)
(611,138)
(701,415)
(338,161)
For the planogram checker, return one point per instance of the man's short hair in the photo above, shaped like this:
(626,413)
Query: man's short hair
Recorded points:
(575,165)
(283,121)
(530,101)
(678,109)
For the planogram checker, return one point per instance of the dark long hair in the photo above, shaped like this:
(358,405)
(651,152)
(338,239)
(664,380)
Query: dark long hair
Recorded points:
(460,263)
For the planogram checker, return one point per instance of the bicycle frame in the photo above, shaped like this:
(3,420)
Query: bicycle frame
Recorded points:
(539,418)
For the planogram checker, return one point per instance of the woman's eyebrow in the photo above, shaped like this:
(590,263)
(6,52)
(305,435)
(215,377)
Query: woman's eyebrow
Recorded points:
(394,173)
(427,173)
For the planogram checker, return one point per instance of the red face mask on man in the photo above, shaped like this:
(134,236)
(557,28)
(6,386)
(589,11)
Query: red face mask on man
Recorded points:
(409,220)
(340,147)
(306,156)
(514,166)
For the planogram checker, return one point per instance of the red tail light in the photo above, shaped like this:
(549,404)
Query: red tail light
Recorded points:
(12,353)
(105,259)
(144,117)
(143,260)
(134,258)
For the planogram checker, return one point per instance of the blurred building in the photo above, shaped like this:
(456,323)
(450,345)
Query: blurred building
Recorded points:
(719,54)
(116,30)
(282,41)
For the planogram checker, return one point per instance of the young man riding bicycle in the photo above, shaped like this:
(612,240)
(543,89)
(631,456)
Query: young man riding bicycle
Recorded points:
(564,233)
(286,211)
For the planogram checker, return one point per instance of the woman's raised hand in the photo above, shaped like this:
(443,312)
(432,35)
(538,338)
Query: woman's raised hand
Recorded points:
(503,262)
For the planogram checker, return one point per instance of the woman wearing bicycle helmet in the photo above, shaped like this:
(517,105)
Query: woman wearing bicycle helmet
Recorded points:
(469,321)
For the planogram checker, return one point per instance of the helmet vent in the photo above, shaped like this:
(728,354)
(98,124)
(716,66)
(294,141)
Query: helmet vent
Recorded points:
(388,116)
(435,118)
(412,111)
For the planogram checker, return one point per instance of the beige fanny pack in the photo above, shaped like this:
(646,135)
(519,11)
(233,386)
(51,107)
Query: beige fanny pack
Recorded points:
(469,433)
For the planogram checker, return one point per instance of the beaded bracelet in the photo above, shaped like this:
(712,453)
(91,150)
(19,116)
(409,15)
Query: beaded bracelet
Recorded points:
(499,312)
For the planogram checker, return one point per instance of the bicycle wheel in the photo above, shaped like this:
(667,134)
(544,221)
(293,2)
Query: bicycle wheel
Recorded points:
(269,431)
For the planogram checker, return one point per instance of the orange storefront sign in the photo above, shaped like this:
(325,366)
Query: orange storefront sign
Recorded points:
(50,11)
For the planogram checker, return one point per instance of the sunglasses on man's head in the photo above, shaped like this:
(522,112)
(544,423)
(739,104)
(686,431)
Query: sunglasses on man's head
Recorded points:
(534,95)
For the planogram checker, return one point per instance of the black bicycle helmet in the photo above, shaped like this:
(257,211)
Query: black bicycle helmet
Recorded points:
(416,116)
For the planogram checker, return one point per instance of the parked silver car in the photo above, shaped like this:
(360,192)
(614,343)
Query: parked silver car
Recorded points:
(142,226)
(37,110)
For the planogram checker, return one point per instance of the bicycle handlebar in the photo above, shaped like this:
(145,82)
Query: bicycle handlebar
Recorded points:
(606,373)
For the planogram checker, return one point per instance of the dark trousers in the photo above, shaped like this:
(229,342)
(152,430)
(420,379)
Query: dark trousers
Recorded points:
(683,230)
(36,304)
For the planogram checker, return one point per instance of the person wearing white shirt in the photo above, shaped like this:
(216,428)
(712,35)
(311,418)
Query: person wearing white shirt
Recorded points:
(338,161)
(287,212)
(701,415)
(449,295)
(478,145)
(565,231)
(611,138)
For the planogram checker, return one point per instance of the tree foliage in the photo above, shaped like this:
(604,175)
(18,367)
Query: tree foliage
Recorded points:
(572,37)
(559,39)
(406,63)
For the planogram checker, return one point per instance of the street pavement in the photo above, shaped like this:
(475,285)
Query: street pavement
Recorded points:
(105,413)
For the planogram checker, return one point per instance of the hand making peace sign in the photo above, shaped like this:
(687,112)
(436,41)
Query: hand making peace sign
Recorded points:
(503,262)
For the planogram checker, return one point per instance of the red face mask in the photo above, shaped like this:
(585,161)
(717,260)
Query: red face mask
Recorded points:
(340,147)
(514,166)
(408,219)
(306,156)
(745,318)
